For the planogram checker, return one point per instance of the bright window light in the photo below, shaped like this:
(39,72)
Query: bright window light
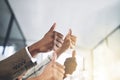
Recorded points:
(105,64)
(9,50)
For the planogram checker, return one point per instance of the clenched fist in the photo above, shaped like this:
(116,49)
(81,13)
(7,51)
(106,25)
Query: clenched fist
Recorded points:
(52,40)
(53,71)
(70,64)
(69,42)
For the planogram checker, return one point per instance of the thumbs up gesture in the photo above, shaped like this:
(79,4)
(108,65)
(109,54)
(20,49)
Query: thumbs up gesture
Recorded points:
(52,40)
(70,64)
(69,42)
(53,71)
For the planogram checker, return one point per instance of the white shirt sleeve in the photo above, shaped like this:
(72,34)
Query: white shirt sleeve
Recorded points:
(32,59)
(36,70)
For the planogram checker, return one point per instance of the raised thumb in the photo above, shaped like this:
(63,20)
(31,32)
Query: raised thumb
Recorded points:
(70,32)
(73,53)
(53,27)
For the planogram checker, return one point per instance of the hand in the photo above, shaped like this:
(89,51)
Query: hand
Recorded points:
(70,64)
(69,42)
(53,71)
(51,41)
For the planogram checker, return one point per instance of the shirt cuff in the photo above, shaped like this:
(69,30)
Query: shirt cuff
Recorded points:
(32,59)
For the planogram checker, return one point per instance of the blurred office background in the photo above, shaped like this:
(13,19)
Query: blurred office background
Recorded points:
(96,23)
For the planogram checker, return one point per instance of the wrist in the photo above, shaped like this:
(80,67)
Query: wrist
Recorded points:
(33,50)
(59,52)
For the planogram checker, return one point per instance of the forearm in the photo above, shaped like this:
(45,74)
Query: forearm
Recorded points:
(15,64)
(34,49)
(59,51)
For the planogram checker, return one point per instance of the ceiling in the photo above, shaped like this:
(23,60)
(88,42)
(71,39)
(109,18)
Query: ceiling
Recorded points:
(90,20)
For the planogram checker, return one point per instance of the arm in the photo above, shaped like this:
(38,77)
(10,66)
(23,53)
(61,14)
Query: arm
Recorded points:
(51,41)
(53,71)
(68,42)
(16,64)
(36,70)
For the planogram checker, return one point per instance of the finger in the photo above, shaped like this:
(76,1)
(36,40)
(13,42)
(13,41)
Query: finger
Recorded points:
(73,38)
(52,28)
(58,44)
(73,43)
(59,68)
(73,53)
(60,40)
(70,31)
(55,37)
(68,35)
(58,34)
(58,75)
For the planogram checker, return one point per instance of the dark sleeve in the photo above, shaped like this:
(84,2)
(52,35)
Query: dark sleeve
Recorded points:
(15,65)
